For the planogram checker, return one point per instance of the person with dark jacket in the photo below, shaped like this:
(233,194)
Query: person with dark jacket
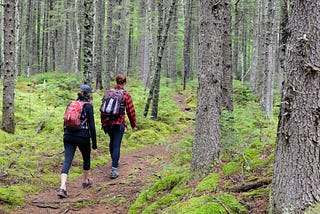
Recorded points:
(115,128)
(81,139)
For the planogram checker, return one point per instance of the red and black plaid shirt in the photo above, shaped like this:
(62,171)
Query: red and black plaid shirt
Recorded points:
(129,109)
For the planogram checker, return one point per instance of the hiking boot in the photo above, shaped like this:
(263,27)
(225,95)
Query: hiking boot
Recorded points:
(87,184)
(62,193)
(114,173)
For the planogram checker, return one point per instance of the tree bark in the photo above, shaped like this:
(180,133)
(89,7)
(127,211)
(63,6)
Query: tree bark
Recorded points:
(296,176)
(8,120)
(255,48)
(206,145)
(99,43)
(227,99)
(88,41)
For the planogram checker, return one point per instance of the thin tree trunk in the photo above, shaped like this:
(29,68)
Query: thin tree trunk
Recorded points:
(255,47)
(163,29)
(99,43)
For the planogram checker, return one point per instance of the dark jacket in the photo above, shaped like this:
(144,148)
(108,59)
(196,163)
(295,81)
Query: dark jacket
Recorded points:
(91,131)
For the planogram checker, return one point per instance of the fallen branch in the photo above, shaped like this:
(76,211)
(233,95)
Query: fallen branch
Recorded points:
(249,186)
(40,126)
(51,155)
(80,200)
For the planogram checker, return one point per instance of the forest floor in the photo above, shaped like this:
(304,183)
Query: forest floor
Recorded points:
(137,169)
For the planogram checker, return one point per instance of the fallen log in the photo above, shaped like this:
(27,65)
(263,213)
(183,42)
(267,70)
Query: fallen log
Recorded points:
(249,186)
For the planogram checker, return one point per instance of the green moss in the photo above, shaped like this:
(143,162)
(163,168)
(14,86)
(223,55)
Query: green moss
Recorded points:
(217,204)
(257,193)
(210,183)
(231,167)
(13,195)
(158,191)
(166,201)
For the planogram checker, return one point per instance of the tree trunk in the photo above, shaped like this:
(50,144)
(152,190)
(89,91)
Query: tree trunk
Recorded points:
(27,51)
(8,122)
(142,35)
(282,42)
(78,21)
(88,41)
(187,42)
(227,98)
(255,47)
(52,37)
(235,54)
(45,36)
(17,39)
(296,176)
(99,43)
(162,36)
(110,52)
(206,145)
(270,59)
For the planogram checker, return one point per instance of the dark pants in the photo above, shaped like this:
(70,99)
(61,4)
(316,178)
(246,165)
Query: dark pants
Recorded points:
(115,133)
(70,145)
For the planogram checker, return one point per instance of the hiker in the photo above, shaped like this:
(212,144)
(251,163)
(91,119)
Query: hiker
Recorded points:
(79,138)
(115,125)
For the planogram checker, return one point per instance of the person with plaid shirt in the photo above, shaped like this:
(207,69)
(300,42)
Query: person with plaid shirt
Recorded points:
(115,128)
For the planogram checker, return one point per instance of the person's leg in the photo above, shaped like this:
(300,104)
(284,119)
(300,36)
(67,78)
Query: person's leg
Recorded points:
(111,143)
(118,132)
(69,151)
(85,149)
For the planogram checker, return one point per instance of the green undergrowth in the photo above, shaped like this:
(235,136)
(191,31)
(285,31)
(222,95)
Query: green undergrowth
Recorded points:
(31,162)
(31,159)
(248,140)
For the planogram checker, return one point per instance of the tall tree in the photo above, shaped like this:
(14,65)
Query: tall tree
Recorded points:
(8,122)
(206,145)
(28,52)
(187,41)
(227,98)
(255,47)
(99,43)
(296,177)
(110,47)
(163,28)
(236,29)
(88,41)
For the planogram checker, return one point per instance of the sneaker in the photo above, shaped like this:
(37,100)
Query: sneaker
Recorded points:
(114,174)
(62,193)
(87,184)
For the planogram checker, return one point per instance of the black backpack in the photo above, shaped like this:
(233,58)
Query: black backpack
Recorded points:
(112,106)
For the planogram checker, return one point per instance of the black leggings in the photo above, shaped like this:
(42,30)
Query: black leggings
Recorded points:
(70,145)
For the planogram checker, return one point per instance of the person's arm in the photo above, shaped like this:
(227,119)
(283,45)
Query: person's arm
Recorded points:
(130,110)
(92,127)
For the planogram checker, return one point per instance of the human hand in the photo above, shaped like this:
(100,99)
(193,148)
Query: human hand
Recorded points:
(94,146)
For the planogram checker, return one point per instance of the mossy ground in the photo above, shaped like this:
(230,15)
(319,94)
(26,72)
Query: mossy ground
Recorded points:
(30,161)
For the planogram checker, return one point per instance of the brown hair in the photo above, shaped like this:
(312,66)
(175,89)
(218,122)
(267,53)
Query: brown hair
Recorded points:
(85,95)
(121,79)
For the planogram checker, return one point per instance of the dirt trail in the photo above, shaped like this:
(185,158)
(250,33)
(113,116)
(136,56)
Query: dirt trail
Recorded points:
(136,169)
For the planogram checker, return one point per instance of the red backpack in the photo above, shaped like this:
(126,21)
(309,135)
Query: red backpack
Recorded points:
(74,119)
